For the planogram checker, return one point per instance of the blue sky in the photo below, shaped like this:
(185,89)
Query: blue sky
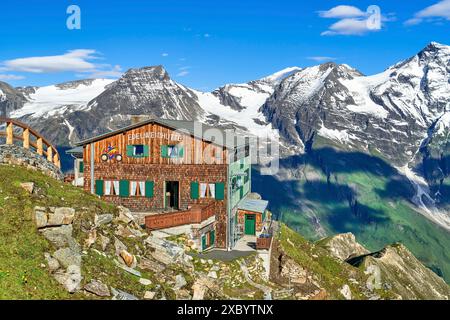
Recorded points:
(205,44)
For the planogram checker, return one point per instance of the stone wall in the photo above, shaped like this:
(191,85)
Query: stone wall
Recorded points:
(16,155)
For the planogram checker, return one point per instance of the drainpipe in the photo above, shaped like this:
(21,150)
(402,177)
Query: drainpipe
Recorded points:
(92,168)
(228,208)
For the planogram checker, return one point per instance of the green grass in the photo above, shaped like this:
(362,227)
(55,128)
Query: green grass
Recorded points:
(385,214)
(332,274)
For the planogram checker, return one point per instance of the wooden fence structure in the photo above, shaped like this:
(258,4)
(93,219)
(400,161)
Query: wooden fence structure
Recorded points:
(30,140)
(196,214)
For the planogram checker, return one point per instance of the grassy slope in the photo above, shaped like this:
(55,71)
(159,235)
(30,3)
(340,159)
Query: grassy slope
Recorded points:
(384,213)
(22,247)
(333,274)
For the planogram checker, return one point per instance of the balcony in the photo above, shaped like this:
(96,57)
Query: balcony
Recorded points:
(195,214)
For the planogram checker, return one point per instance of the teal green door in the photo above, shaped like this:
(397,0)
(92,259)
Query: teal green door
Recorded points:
(250,224)
(204,242)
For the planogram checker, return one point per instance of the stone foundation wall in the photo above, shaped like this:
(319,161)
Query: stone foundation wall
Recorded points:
(16,155)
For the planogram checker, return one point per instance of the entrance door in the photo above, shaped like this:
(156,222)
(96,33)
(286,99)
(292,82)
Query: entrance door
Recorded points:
(250,224)
(171,196)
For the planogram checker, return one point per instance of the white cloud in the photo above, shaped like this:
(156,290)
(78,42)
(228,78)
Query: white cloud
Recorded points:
(353,21)
(165,54)
(207,35)
(341,12)
(183,73)
(10,77)
(347,27)
(73,60)
(439,10)
(321,58)
(79,61)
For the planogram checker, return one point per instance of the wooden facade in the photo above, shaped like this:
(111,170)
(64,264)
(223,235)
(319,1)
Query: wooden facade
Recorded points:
(196,165)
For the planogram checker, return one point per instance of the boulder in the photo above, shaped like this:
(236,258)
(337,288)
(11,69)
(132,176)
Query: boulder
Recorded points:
(346,292)
(92,237)
(212,274)
(28,186)
(128,258)
(104,241)
(119,246)
(122,295)
(68,257)
(149,295)
(40,218)
(180,282)
(70,279)
(152,265)
(199,287)
(145,282)
(61,216)
(52,263)
(98,288)
(124,215)
(168,248)
(59,236)
(102,219)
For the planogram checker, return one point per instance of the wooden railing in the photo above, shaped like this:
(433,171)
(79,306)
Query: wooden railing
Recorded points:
(29,138)
(263,243)
(196,214)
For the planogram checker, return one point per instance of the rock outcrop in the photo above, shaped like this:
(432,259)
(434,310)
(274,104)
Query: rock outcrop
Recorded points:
(15,155)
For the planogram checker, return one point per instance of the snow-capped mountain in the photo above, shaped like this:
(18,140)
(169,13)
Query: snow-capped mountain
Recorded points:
(390,112)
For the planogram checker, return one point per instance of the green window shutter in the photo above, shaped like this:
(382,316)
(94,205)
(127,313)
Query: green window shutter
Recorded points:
(164,151)
(130,151)
(81,167)
(146,151)
(180,152)
(124,188)
(149,187)
(194,190)
(241,192)
(247,176)
(99,187)
(242,164)
(220,191)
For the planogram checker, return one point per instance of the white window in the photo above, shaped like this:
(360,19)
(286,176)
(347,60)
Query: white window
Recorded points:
(133,188)
(142,188)
(107,188)
(137,188)
(207,190)
(116,187)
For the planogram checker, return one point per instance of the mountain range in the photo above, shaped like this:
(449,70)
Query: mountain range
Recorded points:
(365,154)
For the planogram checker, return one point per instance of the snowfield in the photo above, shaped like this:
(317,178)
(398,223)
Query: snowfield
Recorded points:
(50,100)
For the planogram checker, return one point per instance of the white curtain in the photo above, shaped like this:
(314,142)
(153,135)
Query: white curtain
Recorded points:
(142,188)
(212,190)
(133,188)
(203,190)
(116,188)
(107,188)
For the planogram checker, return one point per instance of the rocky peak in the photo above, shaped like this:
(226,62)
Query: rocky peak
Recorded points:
(156,73)
(344,246)
(10,99)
